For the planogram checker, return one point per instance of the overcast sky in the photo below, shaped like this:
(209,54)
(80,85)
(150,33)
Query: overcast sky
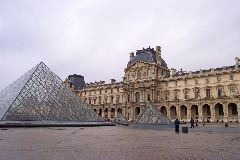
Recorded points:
(94,37)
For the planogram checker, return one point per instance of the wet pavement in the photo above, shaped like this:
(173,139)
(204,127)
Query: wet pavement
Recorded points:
(119,143)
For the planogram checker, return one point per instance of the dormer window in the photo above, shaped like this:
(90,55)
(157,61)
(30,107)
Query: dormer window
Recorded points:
(219,78)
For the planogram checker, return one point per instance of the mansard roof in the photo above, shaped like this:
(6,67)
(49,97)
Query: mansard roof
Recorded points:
(146,55)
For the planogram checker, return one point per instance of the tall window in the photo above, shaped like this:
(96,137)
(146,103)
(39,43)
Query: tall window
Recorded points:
(128,77)
(105,99)
(232,90)
(186,96)
(148,73)
(231,77)
(166,96)
(219,91)
(100,100)
(208,93)
(138,75)
(129,97)
(175,83)
(137,97)
(196,93)
(117,100)
(112,99)
(176,95)
(148,97)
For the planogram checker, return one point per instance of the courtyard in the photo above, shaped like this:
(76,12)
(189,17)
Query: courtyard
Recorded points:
(213,141)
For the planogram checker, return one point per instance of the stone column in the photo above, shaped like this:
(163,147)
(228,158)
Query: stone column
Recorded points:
(200,113)
(189,113)
(213,118)
(225,110)
(178,112)
(168,112)
(109,113)
(238,109)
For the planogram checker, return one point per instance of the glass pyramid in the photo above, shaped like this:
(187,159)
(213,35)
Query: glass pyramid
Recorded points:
(41,95)
(120,119)
(152,115)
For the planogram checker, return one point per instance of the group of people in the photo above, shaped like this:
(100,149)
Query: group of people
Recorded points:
(177,123)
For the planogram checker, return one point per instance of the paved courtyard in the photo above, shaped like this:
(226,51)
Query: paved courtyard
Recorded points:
(119,143)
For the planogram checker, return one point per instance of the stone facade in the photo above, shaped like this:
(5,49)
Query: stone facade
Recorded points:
(209,95)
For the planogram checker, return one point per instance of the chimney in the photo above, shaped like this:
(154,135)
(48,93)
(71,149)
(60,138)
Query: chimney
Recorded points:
(113,81)
(158,54)
(131,55)
(237,62)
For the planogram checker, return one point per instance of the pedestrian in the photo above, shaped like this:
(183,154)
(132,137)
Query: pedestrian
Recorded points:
(192,123)
(196,123)
(176,123)
(203,123)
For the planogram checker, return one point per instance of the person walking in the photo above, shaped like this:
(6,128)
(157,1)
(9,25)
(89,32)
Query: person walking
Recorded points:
(192,123)
(176,123)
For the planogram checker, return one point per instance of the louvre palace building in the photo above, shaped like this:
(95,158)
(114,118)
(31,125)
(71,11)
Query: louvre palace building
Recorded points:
(207,94)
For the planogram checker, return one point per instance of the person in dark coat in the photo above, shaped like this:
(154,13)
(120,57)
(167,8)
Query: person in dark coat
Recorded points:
(192,123)
(176,123)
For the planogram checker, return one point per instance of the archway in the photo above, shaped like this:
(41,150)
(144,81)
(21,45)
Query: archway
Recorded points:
(194,111)
(137,111)
(173,112)
(100,112)
(206,112)
(232,112)
(183,112)
(164,111)
(119,111)
(106,113)
(219,113)
(112,113)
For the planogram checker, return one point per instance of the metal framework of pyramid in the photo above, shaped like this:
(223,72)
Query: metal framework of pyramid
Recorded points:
(120,119)
(152,115)
(41,95)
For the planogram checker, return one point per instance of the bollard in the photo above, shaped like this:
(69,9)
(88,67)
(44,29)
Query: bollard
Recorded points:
(184,129)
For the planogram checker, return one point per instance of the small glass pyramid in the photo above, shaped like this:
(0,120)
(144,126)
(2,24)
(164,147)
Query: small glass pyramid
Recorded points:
(152,115)
(41,95)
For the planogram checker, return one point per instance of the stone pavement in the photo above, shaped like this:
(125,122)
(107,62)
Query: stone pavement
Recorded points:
(119,143)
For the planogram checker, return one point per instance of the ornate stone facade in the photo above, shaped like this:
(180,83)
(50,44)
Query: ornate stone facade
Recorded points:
(211,94)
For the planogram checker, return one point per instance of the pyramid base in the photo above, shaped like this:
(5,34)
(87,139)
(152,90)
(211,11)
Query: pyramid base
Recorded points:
(17,124)
(163,127)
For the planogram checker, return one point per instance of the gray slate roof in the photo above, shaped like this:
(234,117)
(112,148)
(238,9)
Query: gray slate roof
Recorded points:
(149,57)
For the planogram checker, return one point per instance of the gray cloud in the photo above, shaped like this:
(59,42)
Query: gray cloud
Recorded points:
(93,38)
